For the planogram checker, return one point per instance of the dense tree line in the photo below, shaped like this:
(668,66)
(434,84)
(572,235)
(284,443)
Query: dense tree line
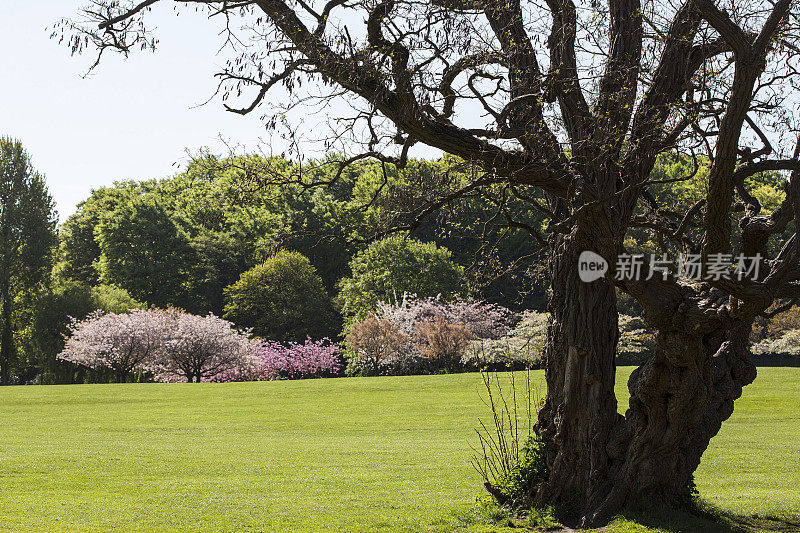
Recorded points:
(289,262)
(27,233)
(206,241)
(182,241)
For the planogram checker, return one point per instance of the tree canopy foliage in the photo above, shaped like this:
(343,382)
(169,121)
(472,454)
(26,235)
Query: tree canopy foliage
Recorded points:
(389,268)
(282,299)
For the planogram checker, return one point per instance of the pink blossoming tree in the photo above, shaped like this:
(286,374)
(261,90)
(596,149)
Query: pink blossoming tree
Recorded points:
(121,342)
(197,348)
(172,345)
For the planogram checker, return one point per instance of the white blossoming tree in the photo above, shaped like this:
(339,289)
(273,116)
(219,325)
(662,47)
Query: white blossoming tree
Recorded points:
(172,345)
(788,343)
(122,342)
(198,348)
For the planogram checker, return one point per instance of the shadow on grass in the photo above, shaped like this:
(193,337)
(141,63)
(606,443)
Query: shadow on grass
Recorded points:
(705,518)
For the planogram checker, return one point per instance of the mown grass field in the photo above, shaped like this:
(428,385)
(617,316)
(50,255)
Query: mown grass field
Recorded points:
(371,454)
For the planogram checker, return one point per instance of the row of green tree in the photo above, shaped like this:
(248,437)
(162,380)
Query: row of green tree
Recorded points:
(247,238)
(208,240)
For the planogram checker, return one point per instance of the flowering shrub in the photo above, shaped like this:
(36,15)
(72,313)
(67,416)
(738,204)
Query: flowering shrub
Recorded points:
(273,360)
(482,319)
(788,344)
(521,348)
(424,326)
(772,328)
(376,344)
(524,345)
(442,343)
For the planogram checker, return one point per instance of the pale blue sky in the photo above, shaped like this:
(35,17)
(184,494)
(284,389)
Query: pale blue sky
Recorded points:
(128,120)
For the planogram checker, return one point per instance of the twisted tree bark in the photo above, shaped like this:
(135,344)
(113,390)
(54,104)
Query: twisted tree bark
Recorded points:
(598,459)
(579,417)
(678,401)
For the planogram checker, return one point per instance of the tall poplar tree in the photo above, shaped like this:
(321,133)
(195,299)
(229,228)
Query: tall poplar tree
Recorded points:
(27,236)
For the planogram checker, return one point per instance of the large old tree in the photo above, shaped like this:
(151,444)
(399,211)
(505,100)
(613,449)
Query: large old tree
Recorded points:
(567,107)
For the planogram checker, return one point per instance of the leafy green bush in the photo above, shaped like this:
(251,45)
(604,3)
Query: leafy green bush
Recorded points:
(391,267)
(690,497)
(636,340)
(530,469)
(112,299)
(282,299)
(43,337)
(521,348)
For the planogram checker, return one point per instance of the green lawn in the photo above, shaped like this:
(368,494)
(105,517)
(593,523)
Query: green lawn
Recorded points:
(372,454)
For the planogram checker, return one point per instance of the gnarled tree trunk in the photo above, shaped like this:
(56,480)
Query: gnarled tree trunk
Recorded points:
(579,416)
(678,401)
(599,460)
